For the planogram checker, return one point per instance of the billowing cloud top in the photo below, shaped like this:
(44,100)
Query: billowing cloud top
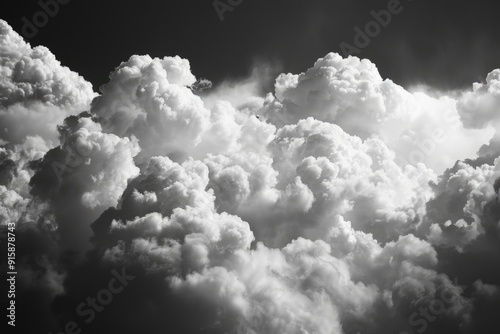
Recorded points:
(338,203)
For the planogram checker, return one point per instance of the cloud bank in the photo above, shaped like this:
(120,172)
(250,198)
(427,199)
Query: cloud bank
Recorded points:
(340,202)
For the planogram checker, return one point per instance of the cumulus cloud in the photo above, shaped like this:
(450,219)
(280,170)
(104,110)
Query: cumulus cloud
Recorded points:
(36,94)
(36,90)
(333,204)
(479,107)
(350,92)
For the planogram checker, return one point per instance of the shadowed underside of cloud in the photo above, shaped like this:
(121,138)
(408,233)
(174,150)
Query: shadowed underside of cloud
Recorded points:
(338,203)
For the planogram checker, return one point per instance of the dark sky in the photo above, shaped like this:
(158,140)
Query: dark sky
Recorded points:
(443,43)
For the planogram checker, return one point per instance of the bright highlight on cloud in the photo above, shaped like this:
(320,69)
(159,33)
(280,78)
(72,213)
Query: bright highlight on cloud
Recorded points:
(340,202)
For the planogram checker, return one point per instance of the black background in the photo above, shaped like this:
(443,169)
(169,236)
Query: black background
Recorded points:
(446,44)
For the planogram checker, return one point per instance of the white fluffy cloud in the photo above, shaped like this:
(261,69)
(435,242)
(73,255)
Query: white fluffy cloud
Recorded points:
(480,107)
(325,206)
(351,93)
(36,94)
(36,90)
